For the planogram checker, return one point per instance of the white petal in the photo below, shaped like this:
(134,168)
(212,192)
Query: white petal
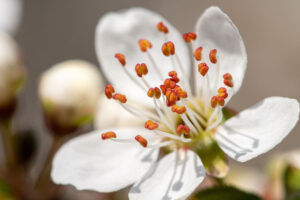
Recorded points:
(119,32)
(176,176)
(258,129)
(10,14)
(216,31)
(111,114)
(88,162)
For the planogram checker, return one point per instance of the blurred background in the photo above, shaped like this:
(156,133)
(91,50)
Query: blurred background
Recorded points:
(52,31)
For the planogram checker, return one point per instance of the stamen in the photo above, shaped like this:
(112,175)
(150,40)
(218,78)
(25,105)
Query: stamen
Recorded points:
(198,54)
(109,90)
(203,68)
(144,45)
(178,109)
(154,92)
(188,37)
(120,97)
(223,92)
(217,100)
(213,56)
(162,28)
(121,58)
(141,140)
(151,125)
(168,48)
(183,129)
(141,69)
(228,80)
(108,135)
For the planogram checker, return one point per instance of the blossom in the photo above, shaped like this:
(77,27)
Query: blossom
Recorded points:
(69,92)
(12,71)
(184,91)
(11,11)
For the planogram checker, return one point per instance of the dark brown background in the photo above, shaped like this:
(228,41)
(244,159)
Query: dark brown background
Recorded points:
(56,30)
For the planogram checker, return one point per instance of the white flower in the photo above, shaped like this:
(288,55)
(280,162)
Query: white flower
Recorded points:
(185,119)
(10,15)
(69,92)
(12,72)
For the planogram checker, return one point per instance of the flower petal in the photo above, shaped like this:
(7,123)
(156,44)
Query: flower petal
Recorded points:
(258,129)
(87,162)
(10,14)
(119,32)
(216,31)
(176,176)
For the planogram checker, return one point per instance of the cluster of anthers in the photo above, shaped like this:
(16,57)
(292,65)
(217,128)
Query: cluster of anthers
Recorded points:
(179,117)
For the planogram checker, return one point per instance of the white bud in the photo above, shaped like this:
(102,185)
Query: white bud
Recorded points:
(10,15)
(110,114)
(69,92)
(12,72)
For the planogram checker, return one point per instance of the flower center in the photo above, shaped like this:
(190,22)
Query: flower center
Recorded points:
(180,118)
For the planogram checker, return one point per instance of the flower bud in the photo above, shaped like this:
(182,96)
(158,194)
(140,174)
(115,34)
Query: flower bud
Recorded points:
(69,93)
(12,74)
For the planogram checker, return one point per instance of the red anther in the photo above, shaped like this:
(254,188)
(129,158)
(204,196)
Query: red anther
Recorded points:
(163,89)
(228,80)
(154,92)
(213,56)
(188,37)
(169,83)
(213,101)
(162,28)
(108,135)
(175,79)
(121,58)
(151,125)
(109,90)
(178,109)
(168,48)
(221,100)
(183,129)
(198,53)
(172,73)
(141,140)
(203,68)
(120,97)
(144,45)
(141,69)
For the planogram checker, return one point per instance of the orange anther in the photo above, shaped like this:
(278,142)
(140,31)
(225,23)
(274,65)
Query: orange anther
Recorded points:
(108,135)
(183,129)
(120,97)
(198,53)
(221,100)
(228,80)
(151,125)
(169,83)
(163,89)
(223,92)
(162,28)
(171,97)
(172,73)
(154,92)
(109,90)
(141,69)
(144,45)
(141,140)
(203,68)
(188,37)
(180,93)
(213,56)
(178,109)
(121,58)
(168,48)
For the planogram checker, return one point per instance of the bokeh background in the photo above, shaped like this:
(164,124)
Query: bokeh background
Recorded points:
(55,30)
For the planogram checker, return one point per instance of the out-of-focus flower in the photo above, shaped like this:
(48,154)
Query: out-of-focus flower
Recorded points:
(10,15)
(12,72)
(69,93)
(185,119)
